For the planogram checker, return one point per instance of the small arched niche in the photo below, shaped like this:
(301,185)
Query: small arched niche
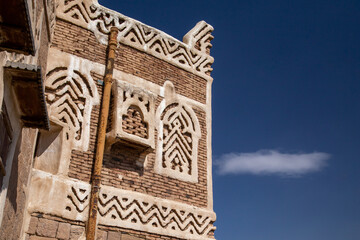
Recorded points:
(131,118)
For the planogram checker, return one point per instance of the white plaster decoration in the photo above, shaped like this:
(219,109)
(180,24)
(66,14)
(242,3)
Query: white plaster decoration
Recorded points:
(200,37)
(178,137)
(191,55)
(153,88)
(18,58)
(59,196)
(146,213)
(71,93)
(121,208)
(128,97)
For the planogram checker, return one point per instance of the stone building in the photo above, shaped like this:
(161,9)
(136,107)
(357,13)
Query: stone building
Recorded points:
(155,160)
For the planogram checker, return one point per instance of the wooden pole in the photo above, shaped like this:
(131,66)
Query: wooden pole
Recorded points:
(96,177)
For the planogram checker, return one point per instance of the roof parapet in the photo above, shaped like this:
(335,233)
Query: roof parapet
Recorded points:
(192,55)
(200,37)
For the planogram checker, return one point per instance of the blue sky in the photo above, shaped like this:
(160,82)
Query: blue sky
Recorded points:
(286,112)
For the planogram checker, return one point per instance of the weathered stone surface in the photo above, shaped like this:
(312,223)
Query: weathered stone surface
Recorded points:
(47,228)
(63,231)
(41,238)
(33,224)
(101,235)
(16,196)
(129,237)
(76,232)
(114,236)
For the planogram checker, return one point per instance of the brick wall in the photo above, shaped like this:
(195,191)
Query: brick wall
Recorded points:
(133,123)
(119,168)
(81,42)
(82,162)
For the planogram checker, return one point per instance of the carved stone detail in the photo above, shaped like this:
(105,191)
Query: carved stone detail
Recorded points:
(192,54)
(178,137)
(121,208)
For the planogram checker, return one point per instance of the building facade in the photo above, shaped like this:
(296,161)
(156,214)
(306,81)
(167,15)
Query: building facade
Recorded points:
(156,180)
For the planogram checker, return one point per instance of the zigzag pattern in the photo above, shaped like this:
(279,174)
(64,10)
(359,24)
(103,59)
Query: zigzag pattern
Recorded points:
(138,211)
(77,198)
(193,54)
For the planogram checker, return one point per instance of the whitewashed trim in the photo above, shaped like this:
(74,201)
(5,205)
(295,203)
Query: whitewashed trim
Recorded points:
(69,199)
(191,55)
(182,141)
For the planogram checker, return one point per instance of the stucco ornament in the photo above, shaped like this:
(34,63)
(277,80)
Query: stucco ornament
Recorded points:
(132,116)
(121,208)
(178,137)
(193,54)
(70,94)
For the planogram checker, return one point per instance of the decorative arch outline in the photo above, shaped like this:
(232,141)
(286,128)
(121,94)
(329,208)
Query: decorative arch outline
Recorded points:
(178,138)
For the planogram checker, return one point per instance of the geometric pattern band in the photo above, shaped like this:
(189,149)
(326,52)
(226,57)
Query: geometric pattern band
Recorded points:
(192,54)
(121,208)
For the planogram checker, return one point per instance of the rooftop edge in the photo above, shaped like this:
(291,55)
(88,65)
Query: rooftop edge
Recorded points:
(193,54)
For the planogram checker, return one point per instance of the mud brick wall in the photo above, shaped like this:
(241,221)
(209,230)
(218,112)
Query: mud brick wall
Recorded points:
(81,42)
(119,169)
(134,124)
(82,162)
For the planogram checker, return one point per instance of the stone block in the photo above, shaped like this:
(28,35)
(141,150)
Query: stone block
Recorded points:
(114,236)
(63,231)
(32,225)
(46,227)
(76,232)
(101,235)
(41,238)
(130,237)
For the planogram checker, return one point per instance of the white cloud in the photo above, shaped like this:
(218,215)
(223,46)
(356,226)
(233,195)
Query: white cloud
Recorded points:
(271,162)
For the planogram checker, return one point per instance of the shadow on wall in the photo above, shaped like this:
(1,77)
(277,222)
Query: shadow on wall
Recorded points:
(12,193)
(123,158)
